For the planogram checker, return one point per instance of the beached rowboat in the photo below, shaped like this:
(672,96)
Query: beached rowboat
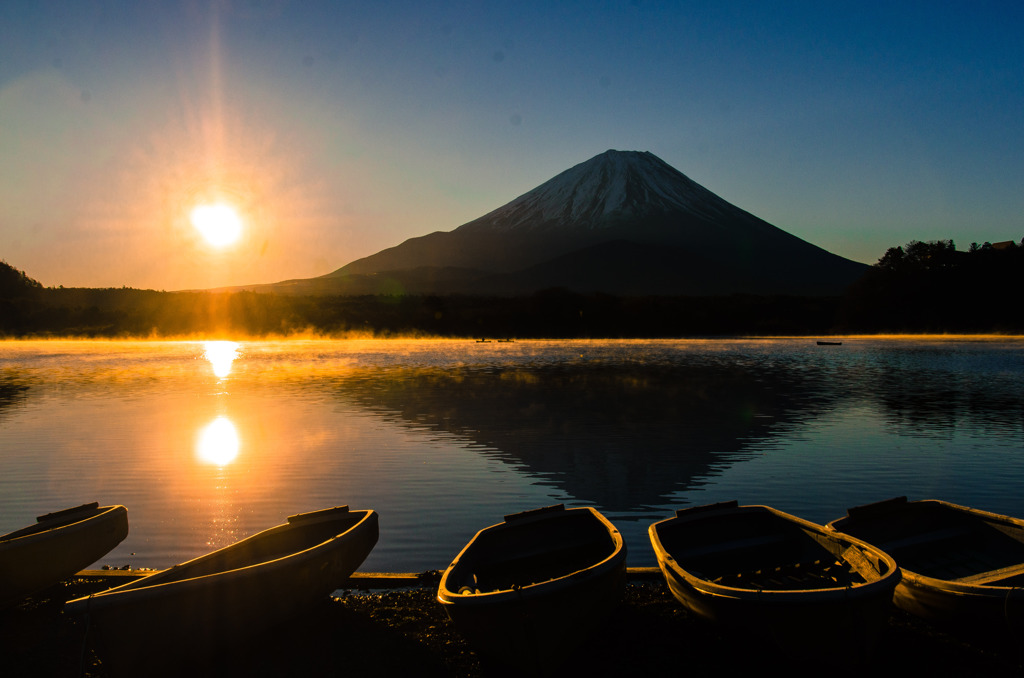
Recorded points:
(527,591)
(960,565)
(779,576)
(195,609)
(56,547)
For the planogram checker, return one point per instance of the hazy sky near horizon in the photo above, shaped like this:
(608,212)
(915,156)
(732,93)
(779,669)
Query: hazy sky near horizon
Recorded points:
(342,128)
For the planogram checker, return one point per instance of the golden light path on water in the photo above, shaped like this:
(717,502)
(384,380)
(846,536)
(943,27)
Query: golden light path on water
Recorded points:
(221,355)
(217,447)
(218,442)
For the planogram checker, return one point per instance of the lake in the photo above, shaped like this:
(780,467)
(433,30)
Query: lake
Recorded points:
(207,442)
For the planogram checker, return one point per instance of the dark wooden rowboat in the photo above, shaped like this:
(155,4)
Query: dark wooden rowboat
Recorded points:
(960,565)
(193,610)
(776,575)
(56,547)
(527,591)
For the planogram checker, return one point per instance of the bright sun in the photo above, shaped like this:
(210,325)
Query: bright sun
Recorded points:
(218,223)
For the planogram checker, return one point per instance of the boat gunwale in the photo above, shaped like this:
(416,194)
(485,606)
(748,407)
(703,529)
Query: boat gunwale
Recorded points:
(674,571)
(604,567)
(59,544)
(159,581)
(78,516)
(938,584)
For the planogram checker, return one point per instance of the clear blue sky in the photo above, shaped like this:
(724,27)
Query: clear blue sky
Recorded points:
(342,128)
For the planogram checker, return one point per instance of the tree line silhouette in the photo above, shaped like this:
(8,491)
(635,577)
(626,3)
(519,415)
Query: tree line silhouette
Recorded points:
(933,287)
(919,287)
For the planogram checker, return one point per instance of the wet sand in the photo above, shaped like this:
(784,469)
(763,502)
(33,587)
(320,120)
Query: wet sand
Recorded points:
(405,632)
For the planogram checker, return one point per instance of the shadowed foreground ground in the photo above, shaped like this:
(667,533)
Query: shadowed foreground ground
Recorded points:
(405,633)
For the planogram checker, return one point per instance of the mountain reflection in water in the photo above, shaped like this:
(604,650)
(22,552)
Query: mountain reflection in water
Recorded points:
(13,389)
(206,443)
(621,436)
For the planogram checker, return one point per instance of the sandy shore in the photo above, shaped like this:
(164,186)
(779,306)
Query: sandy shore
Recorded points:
(404,632)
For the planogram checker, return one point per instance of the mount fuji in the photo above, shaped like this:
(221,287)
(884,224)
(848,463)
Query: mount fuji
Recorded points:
(622,223)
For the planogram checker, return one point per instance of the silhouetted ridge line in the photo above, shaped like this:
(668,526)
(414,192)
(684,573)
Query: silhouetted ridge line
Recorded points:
(622,223)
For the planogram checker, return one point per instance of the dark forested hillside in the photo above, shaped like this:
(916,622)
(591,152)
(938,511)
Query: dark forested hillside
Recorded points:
(933,287)
(552,313)
(15,283)
(921,287)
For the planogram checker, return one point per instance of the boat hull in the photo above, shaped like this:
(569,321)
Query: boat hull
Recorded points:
(961,566)
(780,577)
(198,609)
(57,547)
(525,593)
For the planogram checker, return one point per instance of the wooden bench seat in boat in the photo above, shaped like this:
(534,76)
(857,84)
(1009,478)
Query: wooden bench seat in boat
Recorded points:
(993,576)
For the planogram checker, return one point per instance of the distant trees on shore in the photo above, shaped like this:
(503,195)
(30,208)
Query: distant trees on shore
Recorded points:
(933,287)
(938,255)
(919,287)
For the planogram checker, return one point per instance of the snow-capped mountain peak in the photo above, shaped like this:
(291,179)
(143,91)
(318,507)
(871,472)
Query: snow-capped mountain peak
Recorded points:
(609,189)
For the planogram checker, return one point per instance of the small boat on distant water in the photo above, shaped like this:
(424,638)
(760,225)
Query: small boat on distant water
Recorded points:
(58,546)
(204,605)
(960,565)
(527,591)
(830,343)
(782,577)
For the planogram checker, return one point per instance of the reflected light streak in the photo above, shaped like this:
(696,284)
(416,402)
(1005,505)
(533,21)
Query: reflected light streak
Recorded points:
(221,355)
(218,442)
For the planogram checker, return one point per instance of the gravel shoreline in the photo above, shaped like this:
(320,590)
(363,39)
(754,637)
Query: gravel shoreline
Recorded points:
(405,632)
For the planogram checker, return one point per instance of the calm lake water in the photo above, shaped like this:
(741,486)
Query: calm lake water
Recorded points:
(206,443)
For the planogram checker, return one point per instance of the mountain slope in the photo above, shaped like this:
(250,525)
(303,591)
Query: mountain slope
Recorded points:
(623,222)
(612,189)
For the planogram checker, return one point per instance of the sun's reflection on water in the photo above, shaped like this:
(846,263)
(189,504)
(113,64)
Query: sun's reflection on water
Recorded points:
(221,355)
(218,442)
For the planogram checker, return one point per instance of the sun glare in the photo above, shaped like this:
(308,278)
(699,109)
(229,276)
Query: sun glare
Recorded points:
(218,223)
(218,443)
